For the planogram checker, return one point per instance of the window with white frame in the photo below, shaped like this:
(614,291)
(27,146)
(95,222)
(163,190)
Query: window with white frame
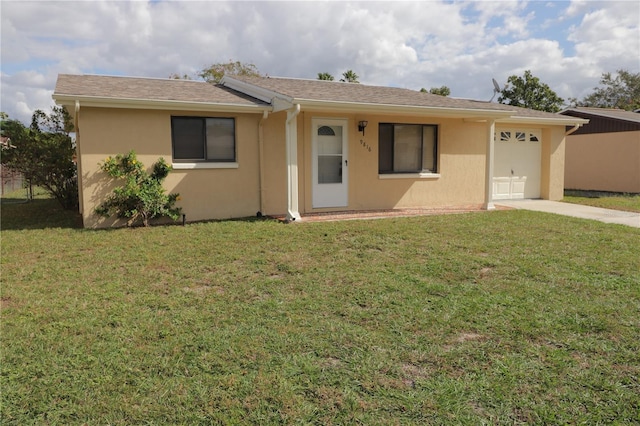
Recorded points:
(203,139)
(407,148)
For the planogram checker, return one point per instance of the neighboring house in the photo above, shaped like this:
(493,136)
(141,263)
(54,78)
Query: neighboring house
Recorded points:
(604,155)
(282,146)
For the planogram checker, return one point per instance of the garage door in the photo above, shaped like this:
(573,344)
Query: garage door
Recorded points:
(516,167)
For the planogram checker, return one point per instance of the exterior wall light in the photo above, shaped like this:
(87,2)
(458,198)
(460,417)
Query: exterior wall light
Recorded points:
(362,125)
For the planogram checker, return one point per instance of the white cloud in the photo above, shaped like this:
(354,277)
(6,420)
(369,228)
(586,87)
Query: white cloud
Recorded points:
(24,92)
(609,34)
(514,20)
(409,44)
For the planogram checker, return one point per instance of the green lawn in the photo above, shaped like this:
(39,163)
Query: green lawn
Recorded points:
(607,200)
(500,317)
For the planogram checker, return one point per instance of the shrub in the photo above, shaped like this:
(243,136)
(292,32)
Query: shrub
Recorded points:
(142,196)
(43,153)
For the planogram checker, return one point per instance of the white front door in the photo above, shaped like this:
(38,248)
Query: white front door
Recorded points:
(329,163)
(517,164)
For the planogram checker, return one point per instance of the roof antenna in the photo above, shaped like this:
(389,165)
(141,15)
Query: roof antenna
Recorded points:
(496,89)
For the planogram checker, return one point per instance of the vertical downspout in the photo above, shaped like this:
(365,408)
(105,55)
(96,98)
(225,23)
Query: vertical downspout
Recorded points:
(265,114)
(488,185)
(291,130)
(76,128)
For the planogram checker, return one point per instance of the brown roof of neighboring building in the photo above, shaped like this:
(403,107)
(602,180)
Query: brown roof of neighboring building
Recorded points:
(148,89)
(604,120)
(615,113)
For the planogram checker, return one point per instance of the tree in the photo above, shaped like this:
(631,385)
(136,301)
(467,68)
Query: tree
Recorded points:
(177,76)
(350,77)
(530,92)
(442,91)
(325,76)
(621,91)
(141,197)
(44,153)
(215,72)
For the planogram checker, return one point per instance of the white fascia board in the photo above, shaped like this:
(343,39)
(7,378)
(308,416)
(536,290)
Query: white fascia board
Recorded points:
(99,102)
(543,121)
(279,101)
(310,104)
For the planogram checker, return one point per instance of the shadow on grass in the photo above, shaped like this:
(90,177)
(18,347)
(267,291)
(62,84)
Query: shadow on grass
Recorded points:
(609,200)
(19,214)
(597,194)
(37,214)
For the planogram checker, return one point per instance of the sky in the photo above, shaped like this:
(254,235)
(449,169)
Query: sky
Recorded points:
(414,45)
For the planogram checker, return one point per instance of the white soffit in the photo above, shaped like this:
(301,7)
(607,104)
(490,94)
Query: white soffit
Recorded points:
(102,102)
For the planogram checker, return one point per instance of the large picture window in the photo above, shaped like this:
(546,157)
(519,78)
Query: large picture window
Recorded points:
(197,139)
(407,148)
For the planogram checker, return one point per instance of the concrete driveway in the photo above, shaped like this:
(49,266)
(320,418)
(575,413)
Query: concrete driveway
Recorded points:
(575,210)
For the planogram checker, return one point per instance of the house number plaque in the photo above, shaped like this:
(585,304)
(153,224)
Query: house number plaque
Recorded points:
(365,145)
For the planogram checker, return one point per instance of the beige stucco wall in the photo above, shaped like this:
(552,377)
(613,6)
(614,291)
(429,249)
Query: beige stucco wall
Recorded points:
(204,193)
(552,168)
(274,167)
(603,162)
(243,191)
(461,168)
(461,165)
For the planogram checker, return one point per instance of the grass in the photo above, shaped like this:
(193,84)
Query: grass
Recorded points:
(607,200)
(40,212)
(507,317)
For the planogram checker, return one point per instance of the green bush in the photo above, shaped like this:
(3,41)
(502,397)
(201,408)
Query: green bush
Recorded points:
(43,153)
(142,196)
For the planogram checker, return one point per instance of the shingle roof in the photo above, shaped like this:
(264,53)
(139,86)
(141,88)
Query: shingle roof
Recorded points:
(617,114)
(148,89)
(137,89)
(332,91)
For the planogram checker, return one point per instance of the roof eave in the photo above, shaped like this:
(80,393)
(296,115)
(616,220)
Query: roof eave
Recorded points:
(414,110)
(131,103)
(543,121)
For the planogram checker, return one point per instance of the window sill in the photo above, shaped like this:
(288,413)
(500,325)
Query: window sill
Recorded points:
(191,166)
(410,176)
